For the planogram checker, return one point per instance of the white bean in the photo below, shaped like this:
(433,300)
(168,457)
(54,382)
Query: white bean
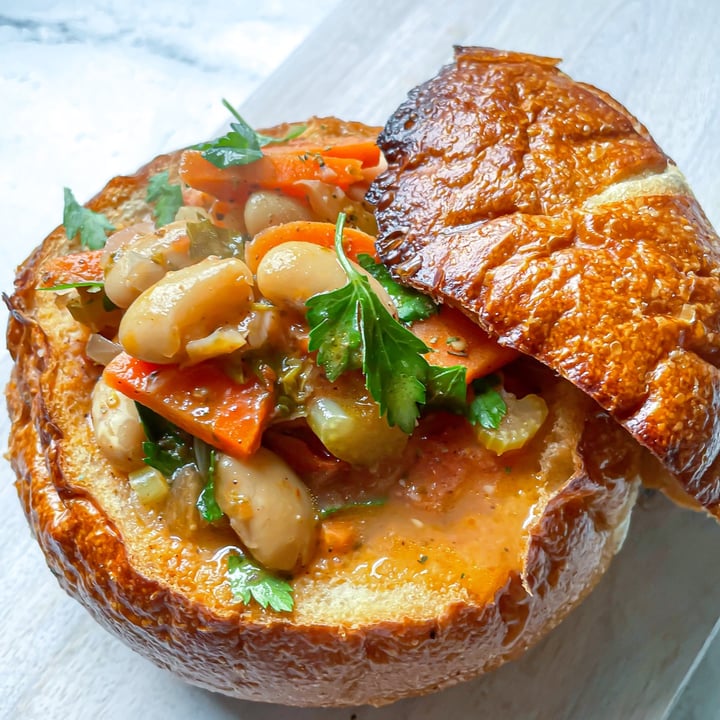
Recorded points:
(290,273)
(269,508)
(118,431)
(189,305)
(142,260)
(265,208)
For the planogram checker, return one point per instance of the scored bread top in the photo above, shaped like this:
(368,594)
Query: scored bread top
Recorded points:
(545,211)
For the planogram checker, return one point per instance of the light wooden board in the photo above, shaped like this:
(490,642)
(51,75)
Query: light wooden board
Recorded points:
(628,649)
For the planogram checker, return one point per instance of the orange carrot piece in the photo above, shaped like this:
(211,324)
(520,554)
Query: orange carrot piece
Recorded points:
(280,171)
(454,339)
(355,242)
(351,148)
(75,268)
(200,399)
(230,215)
(368,153)
(337,537)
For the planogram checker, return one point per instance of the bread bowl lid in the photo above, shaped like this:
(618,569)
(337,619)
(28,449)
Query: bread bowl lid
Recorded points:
(546,212)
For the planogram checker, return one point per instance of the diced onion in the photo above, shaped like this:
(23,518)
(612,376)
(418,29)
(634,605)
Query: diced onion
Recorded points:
(101,350)
(181,514)
(327,201)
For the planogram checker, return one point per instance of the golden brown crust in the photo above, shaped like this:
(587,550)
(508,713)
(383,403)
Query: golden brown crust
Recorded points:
(145,587)
(546,212)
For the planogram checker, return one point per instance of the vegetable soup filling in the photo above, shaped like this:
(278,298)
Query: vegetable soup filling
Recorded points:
(276,397)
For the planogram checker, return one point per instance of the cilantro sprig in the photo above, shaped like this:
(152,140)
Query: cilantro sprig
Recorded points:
(166,197)
(350,328)
(249,581)
(242,145)
(92,226)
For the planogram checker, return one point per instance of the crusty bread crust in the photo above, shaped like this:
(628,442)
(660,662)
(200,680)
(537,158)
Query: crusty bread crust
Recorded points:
(545,211)
(344,644)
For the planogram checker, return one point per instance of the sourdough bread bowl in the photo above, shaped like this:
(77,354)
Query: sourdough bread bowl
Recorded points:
(470,556)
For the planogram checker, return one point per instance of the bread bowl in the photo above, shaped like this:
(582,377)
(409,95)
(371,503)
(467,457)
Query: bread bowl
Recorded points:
(384,640)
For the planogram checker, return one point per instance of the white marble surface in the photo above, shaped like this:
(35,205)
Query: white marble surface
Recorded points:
(90,94)
(92,90)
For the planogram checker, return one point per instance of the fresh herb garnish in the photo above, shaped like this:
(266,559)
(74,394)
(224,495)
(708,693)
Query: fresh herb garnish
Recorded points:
(208,239)
(167,448)
(487,408)
(96,284)
(334,509)
(242,145)
(92,226)
(166,197)
(206,503)
(446,388)
(350,327)
(411,304)
(249,581)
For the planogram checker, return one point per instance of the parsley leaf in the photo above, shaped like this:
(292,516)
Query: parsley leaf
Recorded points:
(93,227)
(411,304)
(206,503)
(249,581)
(446,388)
(91,284)
(167,198)
(335,333)
(242,145)
(168,448)
(350,327)
(487,408)
(352,505)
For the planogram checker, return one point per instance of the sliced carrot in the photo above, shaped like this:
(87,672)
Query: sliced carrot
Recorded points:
(296,444)
(201,399)
(75,268)
(368,153)
(352,148)
(355,242)
(280,171)
(454,339)
(337,537)
(196,198)
(230,215)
